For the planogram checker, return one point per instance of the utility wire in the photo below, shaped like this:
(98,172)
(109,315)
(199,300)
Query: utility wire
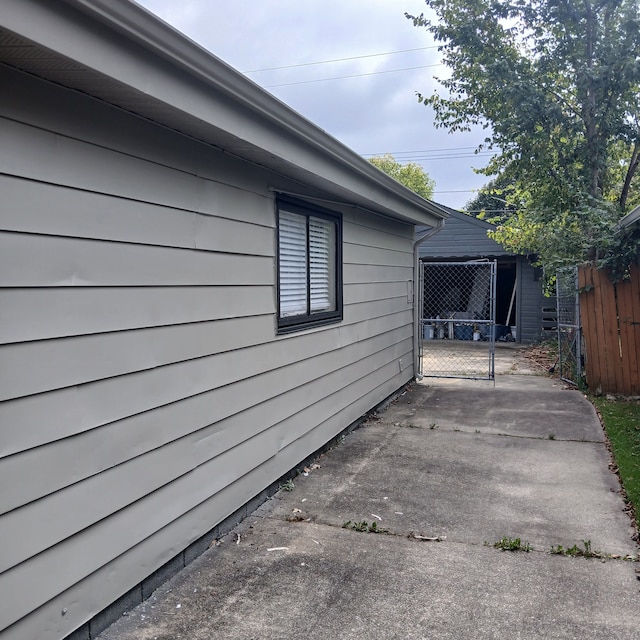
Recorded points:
(418,151)
(356,75)
(459,191)
(493,211)
(425,155)
(451,156)
(457,156)
(310,64)
(414,153)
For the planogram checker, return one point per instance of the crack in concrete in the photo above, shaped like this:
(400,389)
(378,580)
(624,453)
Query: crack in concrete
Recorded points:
(468,431)
(603,556)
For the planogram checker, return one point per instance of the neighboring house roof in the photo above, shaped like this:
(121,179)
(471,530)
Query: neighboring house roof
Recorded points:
(122,54)
(463,236)
(632,218)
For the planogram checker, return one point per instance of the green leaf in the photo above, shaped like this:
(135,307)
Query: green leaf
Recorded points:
(556,85)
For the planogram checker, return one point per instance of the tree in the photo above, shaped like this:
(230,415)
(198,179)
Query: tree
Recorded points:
(555,83)
(411,175)
(491,204)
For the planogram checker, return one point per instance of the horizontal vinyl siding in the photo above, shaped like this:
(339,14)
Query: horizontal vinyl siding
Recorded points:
(144,393)
(76,310)
(128,430)
(461,237)
(35,420)
(532,302)
(29,260)
(103,217)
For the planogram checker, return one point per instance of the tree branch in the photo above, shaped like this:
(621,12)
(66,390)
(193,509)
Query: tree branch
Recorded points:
(633,167)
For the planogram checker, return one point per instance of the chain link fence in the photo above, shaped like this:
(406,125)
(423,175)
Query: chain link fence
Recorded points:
(568,321)
(458,319)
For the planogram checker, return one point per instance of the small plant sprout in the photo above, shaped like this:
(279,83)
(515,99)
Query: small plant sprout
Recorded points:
(576,551)
(287,486)
(364,527)
(512,544)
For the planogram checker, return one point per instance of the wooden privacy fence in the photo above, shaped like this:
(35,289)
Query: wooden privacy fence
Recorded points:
(610,316)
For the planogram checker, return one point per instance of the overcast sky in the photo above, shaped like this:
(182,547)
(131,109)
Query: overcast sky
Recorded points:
(373,113)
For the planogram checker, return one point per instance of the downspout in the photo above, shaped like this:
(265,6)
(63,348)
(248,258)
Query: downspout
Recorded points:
(417,312)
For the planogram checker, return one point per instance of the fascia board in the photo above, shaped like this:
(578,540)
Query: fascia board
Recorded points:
(127,44)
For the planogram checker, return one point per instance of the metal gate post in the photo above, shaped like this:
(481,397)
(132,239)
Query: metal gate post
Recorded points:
(492,325)
(420,303)
(568,325)
(418,309)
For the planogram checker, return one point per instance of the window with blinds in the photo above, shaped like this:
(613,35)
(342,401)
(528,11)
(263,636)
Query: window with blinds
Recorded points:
(309,266)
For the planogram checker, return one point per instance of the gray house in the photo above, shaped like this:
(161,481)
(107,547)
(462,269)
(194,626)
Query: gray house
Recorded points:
(465,238)
(200,288)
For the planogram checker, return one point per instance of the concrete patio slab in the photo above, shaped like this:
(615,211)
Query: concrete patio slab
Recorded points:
(470,487)
(468,462)
(289,581)
(516,405)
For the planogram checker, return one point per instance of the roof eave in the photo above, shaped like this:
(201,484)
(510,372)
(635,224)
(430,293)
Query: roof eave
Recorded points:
(316,152)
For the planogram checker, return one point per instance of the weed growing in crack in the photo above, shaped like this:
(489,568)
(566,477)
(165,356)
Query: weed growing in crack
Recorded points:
(364,527)
(587,551)
(575,551)
(512,544)
(287,486)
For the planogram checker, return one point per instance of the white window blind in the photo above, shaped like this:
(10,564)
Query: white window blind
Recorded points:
(293,264)
(322,262)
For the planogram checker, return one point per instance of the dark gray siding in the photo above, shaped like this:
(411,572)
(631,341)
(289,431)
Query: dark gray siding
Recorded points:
(461,237)
(145,393)
(531,302)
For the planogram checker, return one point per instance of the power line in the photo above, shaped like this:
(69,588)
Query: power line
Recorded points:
(493,211)
(452,156)
(310,64)
(459,191)
(397,153)
(443,155)
(427,155)
(356,75)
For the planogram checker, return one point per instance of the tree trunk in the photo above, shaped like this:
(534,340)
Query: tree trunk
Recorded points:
(589,105)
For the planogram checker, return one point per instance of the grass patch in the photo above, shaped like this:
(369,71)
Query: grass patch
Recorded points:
(621,419)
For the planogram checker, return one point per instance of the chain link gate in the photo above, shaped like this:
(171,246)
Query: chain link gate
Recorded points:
(458,304)
(569,331)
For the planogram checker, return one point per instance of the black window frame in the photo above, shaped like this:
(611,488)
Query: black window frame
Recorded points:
(309,320)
